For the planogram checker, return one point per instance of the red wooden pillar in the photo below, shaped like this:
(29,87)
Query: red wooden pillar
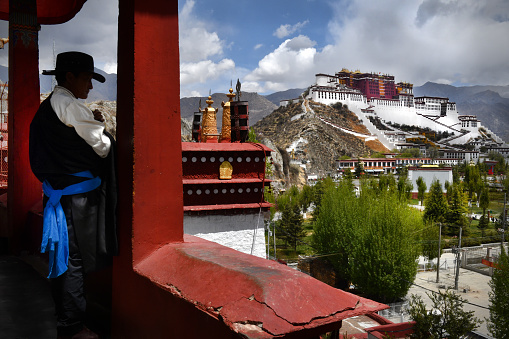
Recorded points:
(149,145)
(149,155)
(24,189)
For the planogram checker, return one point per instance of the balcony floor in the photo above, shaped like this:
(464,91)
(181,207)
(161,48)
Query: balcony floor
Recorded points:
(26,306)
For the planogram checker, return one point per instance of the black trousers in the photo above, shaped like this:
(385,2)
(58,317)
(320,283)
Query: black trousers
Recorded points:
(68,290)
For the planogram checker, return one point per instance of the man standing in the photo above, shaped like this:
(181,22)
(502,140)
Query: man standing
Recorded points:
(73,156)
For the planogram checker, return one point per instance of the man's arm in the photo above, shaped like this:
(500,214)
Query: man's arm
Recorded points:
(89,126)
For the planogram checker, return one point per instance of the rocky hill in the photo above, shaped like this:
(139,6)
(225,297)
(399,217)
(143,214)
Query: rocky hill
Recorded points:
(301,134)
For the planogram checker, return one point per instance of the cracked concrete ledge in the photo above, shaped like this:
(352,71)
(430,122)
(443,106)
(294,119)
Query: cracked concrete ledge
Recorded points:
(254,297)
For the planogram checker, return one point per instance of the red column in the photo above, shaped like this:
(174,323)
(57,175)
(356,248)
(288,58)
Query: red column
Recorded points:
(24,189)
(150,153)
(149,160)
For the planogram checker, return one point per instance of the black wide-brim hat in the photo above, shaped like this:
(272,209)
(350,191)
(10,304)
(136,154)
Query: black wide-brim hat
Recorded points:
(75,62)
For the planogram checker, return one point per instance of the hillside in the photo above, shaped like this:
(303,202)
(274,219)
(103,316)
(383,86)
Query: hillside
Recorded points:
(320,143)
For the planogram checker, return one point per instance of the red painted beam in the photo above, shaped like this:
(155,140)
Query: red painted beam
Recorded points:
(199,208)
(220,181)
(49,12)
(224,147)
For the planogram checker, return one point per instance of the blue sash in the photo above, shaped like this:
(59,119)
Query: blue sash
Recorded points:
(54,231)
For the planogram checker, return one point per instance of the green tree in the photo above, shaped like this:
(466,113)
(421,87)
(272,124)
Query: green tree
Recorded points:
(448,189)
(348,174)
(457,211)
(455,174)
(359,169)
(484,222)
(386,181)
(436,204)
(505,180)
(335,227)
(318,192)
(291,225)
(484,200)
(445,319)
(369,238)
(473,182)
(421,189)
(306,197)
(430,244)
(251,136)
(404,187)
(499,299)
(382,259)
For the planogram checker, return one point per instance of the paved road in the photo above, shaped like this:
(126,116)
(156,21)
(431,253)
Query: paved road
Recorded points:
(476,286)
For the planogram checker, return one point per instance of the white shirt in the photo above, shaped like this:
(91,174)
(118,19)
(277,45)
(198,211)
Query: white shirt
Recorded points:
(74,113)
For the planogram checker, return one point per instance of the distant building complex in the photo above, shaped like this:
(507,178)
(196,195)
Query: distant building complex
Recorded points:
(379,96)
(384,106)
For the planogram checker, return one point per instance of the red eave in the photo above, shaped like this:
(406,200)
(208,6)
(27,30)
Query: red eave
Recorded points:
(220,181)
(255,297)
(49,12)
(429,168)
(223,147)
(225,207)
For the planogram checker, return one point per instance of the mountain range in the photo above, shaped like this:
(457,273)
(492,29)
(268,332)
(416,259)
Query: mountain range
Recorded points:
(489,103)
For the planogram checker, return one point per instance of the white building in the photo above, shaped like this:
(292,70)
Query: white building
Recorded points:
(429,174)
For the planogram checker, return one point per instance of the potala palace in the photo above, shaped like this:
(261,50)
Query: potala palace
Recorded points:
(378,97)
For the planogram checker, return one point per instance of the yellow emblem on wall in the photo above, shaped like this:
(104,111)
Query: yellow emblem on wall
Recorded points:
(225,170)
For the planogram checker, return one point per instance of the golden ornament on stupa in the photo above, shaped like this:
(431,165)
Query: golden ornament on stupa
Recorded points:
(226,129)
(209,123)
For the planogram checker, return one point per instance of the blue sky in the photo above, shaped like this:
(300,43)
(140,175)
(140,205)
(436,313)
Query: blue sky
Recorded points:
(280,44)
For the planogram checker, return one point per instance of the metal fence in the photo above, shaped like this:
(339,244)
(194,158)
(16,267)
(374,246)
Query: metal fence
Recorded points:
(480,258)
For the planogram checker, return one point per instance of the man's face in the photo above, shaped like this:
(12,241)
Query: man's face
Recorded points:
(79,85)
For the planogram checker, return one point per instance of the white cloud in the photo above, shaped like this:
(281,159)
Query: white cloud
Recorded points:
(93,30)
(258,46)
(196,42)
(300,42)
(202,61)
(444,41)
(290,65)
(110,68)
(285,30)
(203,71)
(431,40)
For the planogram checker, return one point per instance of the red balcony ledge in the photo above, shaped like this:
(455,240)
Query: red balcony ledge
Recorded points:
(254,297)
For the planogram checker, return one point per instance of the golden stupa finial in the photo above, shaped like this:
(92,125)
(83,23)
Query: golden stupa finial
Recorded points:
(226,128)
(209,122)
(209,101)
(230,95)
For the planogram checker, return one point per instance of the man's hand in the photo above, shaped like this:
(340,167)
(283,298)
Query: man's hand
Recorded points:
(98,115)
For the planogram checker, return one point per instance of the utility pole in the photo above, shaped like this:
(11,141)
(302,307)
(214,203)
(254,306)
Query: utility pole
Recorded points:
(504,217)
(439,250)
(458,260)
(274,237)
(268,238)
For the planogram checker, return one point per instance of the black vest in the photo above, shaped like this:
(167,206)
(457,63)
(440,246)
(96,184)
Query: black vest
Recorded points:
(56,150)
